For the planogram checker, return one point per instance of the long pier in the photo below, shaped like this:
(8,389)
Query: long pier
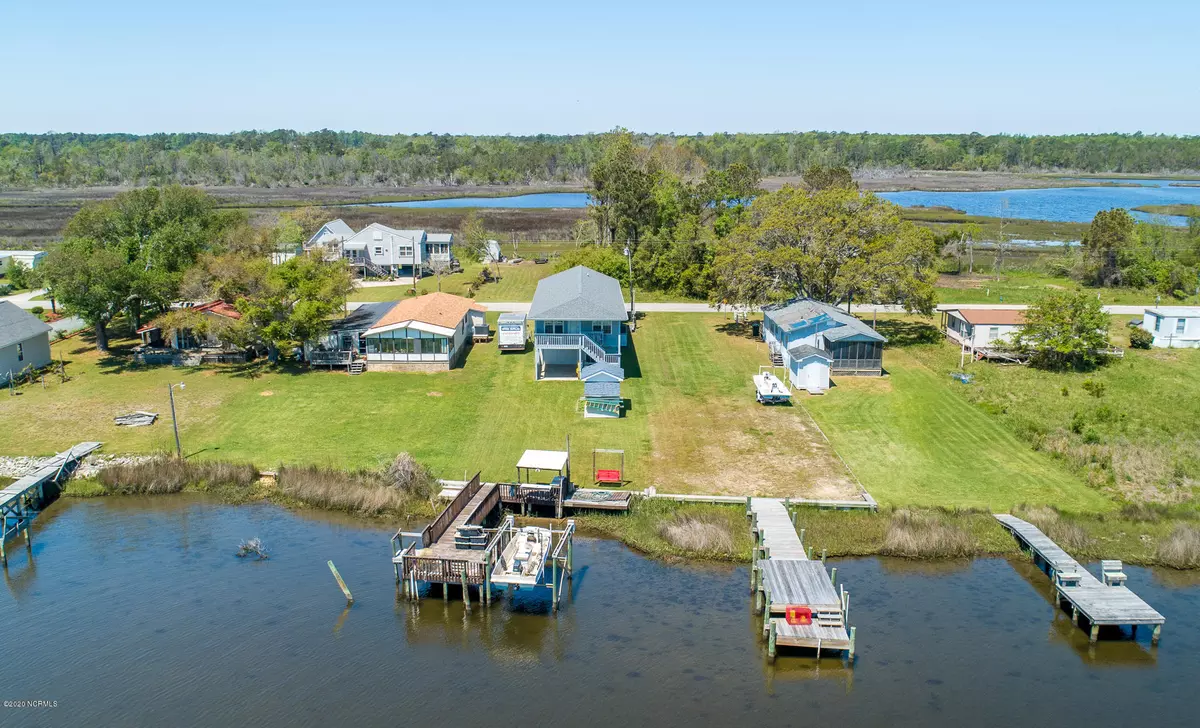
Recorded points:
(1101,603)
(787,581)
(21,501)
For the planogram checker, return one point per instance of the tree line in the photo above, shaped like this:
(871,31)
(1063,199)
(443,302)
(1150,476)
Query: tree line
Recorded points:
(288,158)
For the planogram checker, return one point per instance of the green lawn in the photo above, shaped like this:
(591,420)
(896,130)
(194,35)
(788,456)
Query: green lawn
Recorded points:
(912,439)
(1133,434)
(693,426)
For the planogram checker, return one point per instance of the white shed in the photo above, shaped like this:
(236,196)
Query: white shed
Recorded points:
(31,258)
(1174,327)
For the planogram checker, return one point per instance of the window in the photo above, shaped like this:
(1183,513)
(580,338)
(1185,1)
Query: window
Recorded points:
(378,250)
(405,251)
(602,327)
(993,333)
(20,352)
(555,327)
(1179,324)
(1157,323)
(347,342)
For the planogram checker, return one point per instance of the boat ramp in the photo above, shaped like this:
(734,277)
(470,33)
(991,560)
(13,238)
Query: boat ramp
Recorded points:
(793,591)
(1100,603)
(21,501)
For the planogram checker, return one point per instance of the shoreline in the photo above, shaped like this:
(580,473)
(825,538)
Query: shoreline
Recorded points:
(1131,538)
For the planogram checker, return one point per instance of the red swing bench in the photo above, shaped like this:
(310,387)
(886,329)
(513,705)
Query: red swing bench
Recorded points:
(609,476)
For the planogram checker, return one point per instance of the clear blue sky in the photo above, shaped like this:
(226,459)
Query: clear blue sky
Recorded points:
(396,66)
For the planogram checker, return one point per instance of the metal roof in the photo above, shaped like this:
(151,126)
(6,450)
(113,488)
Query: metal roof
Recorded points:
(512,318)
(578,294)
(602,389)
(596,370)
(439,237)
(364,317)
(18,325)
(801,310)
(1176,311)
(543,460)
(804,351)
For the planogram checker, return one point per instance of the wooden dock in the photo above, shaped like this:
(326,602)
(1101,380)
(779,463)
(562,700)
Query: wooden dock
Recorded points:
(21,501)
(786,581)
(440,555)
(1101,603)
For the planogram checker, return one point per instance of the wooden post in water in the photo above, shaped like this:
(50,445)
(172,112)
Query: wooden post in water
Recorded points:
(833,575)
(342,584)
(845,607)
(486,597)
(822,557)
(1095,633)
(1156,634)
(810,553)
(571,557)
(766,608)
(554,583)
(466,589)
(801,535)
(852,630)
(771,643)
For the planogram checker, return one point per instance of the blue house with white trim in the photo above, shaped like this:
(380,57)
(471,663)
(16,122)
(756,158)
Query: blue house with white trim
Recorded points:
(815,341)
(578,319)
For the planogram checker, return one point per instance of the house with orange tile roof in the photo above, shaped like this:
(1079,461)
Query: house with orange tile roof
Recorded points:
(430,332)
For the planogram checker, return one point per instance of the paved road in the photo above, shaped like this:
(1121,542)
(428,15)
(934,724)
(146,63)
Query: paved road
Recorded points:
(24,300)
(520,307)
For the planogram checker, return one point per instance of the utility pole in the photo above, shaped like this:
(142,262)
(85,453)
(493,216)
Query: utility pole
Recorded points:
(629,260)
(174,419)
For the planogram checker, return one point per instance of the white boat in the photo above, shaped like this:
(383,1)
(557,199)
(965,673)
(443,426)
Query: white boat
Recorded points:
(524,558)
(769,389)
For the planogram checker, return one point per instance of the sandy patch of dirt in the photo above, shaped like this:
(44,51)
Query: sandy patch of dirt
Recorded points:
(434,394)
(963,282)
(732,448)
(266,393)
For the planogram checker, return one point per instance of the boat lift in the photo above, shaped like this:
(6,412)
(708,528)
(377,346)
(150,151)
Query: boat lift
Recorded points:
(523,554)
(770,389)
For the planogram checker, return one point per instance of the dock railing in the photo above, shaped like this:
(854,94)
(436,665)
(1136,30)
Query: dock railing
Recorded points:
(439,525)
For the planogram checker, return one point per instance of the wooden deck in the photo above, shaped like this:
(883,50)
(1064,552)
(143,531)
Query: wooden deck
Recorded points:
(783,576)
(1099,603)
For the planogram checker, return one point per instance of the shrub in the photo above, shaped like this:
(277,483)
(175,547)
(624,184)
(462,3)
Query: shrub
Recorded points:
(926,534)
(1078,422)
(172,475)
(1140,338)
(1091,436)
(5,289)
(698,534)
(1094,388)
(37,310)
(411,477)
(1180,550)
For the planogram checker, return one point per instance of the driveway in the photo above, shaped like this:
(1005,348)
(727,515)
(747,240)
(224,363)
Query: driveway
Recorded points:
(24,300)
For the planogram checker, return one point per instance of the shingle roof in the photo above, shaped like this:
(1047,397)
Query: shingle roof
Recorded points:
(337,228)
(578,294)
(842,324)
(439,237)
(437,309)
(18,325)
(602,389)
(607,371)
(804,351)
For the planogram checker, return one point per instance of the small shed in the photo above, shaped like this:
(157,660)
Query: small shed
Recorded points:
(602,390)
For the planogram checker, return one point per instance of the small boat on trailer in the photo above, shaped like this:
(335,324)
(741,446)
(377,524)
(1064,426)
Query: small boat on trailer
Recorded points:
(523,560)
(770,389)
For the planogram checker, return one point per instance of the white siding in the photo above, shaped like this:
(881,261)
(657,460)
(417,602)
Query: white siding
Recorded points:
(33,351)
(1165,326)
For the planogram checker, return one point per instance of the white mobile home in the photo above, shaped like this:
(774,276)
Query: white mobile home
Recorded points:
(24,341)
(1174,327)
(30,258)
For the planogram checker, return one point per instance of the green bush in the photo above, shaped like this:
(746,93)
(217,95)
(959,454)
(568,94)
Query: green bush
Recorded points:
(1094,388)
(37,310)
(1140,338)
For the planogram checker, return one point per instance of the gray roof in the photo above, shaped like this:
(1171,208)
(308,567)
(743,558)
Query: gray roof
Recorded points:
(512,318)
(364,317)
(799,310)
(804,351)
(613,371)
(602,389)
(18,325)
(578,294)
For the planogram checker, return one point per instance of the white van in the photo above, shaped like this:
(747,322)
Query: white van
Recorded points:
(511,332)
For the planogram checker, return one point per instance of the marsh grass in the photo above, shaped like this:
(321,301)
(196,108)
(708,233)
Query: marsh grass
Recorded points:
(703,533)
(232,481)
(1180,550)
(1070,535)
(362,492)
(927,534)
(83,488)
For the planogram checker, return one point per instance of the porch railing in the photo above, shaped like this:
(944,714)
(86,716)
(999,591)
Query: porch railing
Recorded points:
(330,357)
(577,341)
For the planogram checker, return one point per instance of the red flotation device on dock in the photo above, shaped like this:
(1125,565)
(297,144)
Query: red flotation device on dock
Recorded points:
(799,615)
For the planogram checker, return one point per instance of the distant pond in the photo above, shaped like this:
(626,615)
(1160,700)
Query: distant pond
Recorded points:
(542,200)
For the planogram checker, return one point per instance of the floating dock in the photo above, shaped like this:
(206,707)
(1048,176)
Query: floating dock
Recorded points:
(786,581)
(21,501)
(1101,603)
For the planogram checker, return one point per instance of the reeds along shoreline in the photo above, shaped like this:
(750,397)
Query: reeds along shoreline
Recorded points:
(665,529)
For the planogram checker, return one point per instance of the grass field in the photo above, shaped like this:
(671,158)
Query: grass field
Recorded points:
(1027,287)
(1131,430)
(692,425)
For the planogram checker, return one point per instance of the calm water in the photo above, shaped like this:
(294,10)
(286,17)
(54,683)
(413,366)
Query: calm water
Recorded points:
(541,200)
(1062,204)
(136,612)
